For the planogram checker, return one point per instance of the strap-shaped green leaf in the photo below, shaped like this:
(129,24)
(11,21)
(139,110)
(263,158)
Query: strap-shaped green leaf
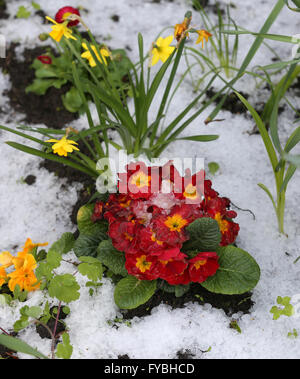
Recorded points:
(20,346)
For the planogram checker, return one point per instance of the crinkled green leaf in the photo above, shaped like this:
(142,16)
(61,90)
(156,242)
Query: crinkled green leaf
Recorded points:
(64,245)
(93,270)
(112,258)
(204,235)
(87,244)
(238,272)
(131,292)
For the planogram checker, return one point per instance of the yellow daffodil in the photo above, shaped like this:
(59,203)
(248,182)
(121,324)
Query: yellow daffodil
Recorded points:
(104,52)
(24,276)
(6,259)
(60,30)
(63,147)
(162,50)
(203,35)
(3,276)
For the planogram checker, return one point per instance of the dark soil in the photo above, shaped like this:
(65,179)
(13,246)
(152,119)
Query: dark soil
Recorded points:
(3,7)
(44,333)
(232,102)
(123,356)
(47,109)
(229,303)
(30,180)
(184,354)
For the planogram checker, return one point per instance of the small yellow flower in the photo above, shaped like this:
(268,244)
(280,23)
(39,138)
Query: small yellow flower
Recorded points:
(3,276)
(29,245)
(60,30)
(203,35)
(104,52)
(6,259)
(63,147)
(24,276)
(162,50)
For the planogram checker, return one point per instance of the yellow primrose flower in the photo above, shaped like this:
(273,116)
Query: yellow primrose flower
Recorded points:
(88,55)
(203,35)
(3,276)
(63,147)
(6,259)
(60,30)
(24,276)
(162,50)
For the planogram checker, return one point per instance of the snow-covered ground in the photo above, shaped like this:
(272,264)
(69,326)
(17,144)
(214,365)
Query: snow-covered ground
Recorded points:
(41,211)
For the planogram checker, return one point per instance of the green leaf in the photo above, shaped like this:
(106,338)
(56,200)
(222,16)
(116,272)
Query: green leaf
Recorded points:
(92,268)
(40,86)
(72,100)
(34,312)
(199,138)
(86,225)
(213,167)
(65,288)
(131,292)
(21,324)
(87,244)
(44,270)
(64,349)
(35,5)
(53,259)
(64,245)
(18,345)
(5,299)
(180,290)
(238,272)
(51,157)
(23,12)
(204,234)
(286,308)
(112,258)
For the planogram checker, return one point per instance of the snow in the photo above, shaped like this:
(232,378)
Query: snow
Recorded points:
(41,211)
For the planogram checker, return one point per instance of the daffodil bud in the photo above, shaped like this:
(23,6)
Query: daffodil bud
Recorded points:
(188,14)
(43,37)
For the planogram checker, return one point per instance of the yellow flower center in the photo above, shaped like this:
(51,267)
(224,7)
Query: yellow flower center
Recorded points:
(175,223)
(200,263)
(66,15)
(140,180)
(128,237)
(190,192)
(223,224)
(153,238)
(142,264)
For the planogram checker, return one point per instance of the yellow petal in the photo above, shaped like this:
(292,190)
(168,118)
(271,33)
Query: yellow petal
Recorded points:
(167,41)
(6,259)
